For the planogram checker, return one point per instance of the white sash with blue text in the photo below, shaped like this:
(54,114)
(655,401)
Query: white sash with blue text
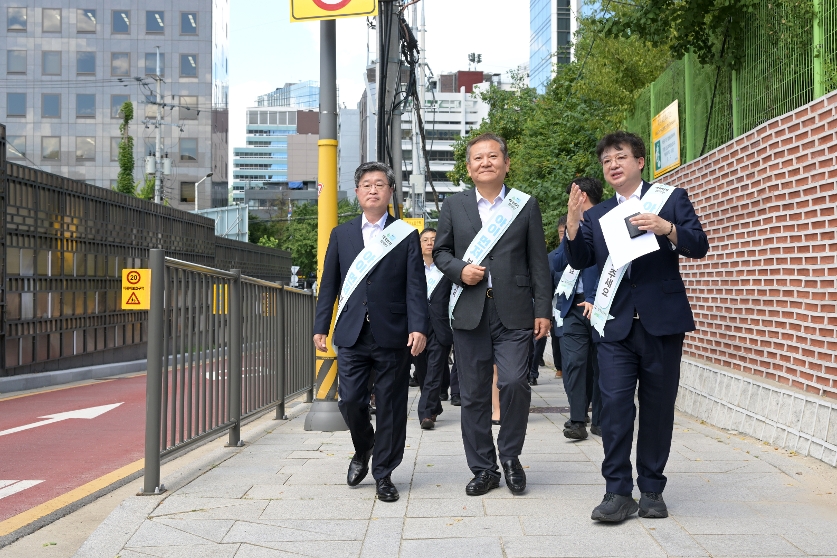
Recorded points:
(433,278)
(652,202)
(488,236)
(369,257)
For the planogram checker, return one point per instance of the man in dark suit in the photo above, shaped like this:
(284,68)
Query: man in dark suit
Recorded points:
(383,322)
(557,331)
(578,354)
(642,345)
(505,299)
(433,362)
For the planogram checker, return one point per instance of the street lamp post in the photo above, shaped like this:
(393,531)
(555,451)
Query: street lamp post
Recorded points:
(196,188)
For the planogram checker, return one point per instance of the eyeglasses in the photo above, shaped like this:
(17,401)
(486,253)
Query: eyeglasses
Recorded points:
(375,186)
(619,159)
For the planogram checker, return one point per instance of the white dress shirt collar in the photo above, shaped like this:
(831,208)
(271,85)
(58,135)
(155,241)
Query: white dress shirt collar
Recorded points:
(637,194)
(500,197)
(381,222)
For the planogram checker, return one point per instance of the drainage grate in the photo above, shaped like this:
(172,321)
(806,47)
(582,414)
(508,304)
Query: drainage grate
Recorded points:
(543,410)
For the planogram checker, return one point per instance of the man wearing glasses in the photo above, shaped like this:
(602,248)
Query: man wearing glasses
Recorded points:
(640,317)
(374,270)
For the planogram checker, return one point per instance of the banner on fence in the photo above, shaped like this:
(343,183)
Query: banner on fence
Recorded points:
(136,289)
(665,138)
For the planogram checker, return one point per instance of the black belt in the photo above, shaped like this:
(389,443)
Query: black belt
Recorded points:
(579,298)
(489,293)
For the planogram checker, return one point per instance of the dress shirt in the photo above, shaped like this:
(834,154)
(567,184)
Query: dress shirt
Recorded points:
(428,269)
(371,231)
(487,209)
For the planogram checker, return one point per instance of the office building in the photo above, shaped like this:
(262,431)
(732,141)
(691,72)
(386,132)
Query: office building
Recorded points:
(305,94)
(68,69)
(552,25)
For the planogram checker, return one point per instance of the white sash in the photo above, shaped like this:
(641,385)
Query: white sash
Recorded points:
(433,279)
(488,236)
(652,202)
(369,257)
(568,280)
(556,312)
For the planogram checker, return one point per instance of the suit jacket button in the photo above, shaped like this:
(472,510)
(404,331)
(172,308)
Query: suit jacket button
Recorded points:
(632,286)
(364,303)
(490,257)
(369,281)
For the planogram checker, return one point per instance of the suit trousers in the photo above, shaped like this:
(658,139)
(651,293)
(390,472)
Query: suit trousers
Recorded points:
(430,368)
(477,351)
(390,369)
(651,363)
(454,379)
(555,340)
(580,365)
(535,356)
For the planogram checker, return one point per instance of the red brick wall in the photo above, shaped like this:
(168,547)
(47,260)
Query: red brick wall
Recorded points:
(764,297)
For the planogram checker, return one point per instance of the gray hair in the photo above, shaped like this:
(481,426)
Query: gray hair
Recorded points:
(487,137)
(374,166)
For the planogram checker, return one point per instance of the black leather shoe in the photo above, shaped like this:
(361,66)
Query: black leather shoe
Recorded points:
(455,400)
(614,508)
(358,468)
(443,396)
(427,424)
(482,483)
(515,476)
(533,382)
(576,431)
(413,382)
(652,505)
(596,429)
(386,490)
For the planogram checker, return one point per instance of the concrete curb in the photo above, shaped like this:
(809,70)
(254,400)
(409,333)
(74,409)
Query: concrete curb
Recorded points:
(115,531)
(47,379)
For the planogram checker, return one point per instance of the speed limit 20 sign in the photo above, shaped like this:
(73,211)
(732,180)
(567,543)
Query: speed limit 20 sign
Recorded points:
(136,289)
(309,10)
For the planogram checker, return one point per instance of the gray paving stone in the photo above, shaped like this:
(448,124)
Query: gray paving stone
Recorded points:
(195,551)
(599,542)
(210,529)
(484,547)
(313,549)
(383,537)
(456,527)
(747,545)
(446,507)
(673,538)
(262,531)
(157,533)
(319,509)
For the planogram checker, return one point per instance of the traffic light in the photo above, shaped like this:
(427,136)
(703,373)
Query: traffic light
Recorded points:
(472,57)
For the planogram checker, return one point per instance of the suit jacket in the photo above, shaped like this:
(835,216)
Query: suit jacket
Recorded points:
(589,278)
(517,263)
(394,293)
(438,309)
(654,289)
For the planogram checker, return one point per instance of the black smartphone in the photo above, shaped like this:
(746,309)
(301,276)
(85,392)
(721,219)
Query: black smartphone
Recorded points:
(633,230)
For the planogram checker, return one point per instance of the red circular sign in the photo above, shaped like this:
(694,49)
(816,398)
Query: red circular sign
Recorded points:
(133,277)
(332,5)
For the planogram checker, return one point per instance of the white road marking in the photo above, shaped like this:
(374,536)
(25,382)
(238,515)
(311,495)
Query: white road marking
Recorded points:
(89,413)
(13,486)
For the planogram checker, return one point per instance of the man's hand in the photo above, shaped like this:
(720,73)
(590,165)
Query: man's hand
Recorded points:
(588,309)
(542,326)
(319,342)
(655,224)
(416,341)
(472,274)
(575,210)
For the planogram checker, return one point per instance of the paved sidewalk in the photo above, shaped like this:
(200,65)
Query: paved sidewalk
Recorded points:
(285,494)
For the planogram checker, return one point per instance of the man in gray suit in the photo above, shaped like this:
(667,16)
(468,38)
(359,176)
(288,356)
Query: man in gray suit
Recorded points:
(490,243)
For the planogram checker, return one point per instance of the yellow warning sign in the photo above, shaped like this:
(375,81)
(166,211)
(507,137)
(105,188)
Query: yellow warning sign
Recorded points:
(309,10)
(136,289)
(417,222)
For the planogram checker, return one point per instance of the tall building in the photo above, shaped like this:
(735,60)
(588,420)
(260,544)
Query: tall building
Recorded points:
(552,24)
(68,70)
(305,94)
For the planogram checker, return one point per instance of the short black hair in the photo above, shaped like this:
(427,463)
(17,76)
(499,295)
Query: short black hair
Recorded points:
(488,136)
(427,230)
(562,221)
(590,186)
(374,166)
(621,140)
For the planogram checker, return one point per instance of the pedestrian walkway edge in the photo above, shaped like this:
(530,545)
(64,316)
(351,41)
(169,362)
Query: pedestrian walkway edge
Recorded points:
(58,377)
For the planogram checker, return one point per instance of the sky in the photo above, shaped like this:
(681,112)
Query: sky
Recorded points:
(267,50)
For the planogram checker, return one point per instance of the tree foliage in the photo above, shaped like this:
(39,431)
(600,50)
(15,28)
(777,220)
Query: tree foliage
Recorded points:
(552,137)
(125,178)
(146,192)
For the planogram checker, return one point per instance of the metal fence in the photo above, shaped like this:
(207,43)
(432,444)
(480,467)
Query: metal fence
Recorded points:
(790,58)
(221,347)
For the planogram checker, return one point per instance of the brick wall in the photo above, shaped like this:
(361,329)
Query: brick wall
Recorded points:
(764,297)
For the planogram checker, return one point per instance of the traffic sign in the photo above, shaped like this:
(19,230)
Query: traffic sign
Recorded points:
(312,10)
(417,222)
(136,289)
(665,138)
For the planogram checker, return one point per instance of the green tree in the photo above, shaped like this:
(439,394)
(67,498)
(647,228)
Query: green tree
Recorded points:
(147,190)
(125,178)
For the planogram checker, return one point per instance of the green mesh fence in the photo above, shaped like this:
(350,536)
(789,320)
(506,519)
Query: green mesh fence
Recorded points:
(718,120)
(828,50)
(639,122)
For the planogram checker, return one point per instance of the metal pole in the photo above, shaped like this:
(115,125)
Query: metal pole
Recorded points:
(736,107)
(691,133)
(283,347)
(158,172)
(819,32)
(154,375)
(236,342)
(324,414)
(394,116)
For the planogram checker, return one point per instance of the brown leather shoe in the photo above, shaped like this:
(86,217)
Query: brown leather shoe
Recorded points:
(427,424)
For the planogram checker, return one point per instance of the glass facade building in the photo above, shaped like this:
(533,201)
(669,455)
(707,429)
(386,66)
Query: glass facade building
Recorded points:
(299,95)
(265,156)
(552,24)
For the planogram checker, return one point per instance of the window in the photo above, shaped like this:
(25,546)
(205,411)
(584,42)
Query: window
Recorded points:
(121,21)
(17,19)
(114,148)
(52,20)
(85,21)
(51,63)
(189,65)
(116,102)
(51,105)
(86,63)
(15,147)
(188,149)
(85,148)
(154,22)
(151,64)
(187,192)
(188,23)
(51,148)
(120,64)
(85,105)
(15,104)
(188,107)
(16,61)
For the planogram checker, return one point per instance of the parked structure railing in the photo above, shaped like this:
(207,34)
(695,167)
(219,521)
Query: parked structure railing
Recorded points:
(221,347)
